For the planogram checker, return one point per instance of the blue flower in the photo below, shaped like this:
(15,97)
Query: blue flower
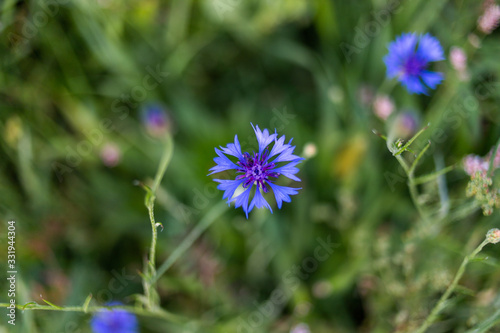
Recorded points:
(260,169)
(114,321)
(409,63)
(155,119)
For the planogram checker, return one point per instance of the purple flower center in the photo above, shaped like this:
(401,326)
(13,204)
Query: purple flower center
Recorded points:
(414,65)
(256,169)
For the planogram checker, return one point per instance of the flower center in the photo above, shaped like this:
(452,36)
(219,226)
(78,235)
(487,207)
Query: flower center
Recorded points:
(255,169)
(414,65)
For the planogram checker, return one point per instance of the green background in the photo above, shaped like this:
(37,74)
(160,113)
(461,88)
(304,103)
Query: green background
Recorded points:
(299,66)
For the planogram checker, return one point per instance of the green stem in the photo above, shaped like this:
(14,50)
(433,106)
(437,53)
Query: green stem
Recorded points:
(162,314)
(165,161)
(411,172)
(434,175)
(441,303)
(412,186)
(154,231)
(204,223)
(150,269)
(414,197)
(387,86)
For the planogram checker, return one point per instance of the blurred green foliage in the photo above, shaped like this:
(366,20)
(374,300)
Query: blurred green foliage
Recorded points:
(74,77)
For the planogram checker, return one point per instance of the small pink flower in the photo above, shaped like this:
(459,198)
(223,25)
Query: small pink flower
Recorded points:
(110,155)
(458,60)
(493,236)
(490,18)
(301,328)
(474,164)
(383,106)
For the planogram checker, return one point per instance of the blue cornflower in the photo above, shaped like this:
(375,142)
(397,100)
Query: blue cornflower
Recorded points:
(409,63)
(260,169)
(155,119)
(114,321)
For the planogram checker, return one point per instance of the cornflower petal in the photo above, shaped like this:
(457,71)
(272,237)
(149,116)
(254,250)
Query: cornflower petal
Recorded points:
(287,155)
(289,170)
(242,200)
(279,146)
(283,193)
(229,187)
(263,138)
(432,79)
(223,163)
(233,149)
(404,45)
(259,201)
(414,85)
(429,48)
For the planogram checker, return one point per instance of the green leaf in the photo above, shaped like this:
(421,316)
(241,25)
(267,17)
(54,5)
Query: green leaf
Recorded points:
(432,176)
(86,303)
(485,326)
(30,303)
(464,290)
(52,304)
(480,259)
(377,133)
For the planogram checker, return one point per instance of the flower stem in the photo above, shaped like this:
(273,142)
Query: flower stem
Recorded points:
(441,303)
(152,250)
(412,186)
(160,313)
(410,170)
(150,269)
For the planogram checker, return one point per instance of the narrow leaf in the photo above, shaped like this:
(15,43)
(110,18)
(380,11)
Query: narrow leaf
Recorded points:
(52,304)
(432,176)
(86,303)
(487,324)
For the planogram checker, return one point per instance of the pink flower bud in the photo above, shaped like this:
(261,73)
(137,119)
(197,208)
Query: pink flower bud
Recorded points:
(493,236)
(383,106)
(490,19)
(110,155)
(458,60)
(474,164)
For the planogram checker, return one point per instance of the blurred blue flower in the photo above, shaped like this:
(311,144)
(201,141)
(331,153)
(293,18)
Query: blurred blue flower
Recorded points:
(409,63)
(114,321)
(258,169)
(155,119)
